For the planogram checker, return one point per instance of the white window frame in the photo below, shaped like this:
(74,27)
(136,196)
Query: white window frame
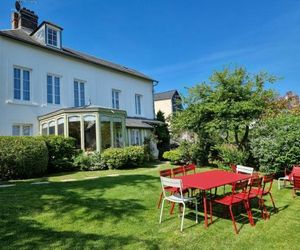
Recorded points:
(138,104)
(115,100)
(22,84)
(136,135)
(21,129)
(79,94)
(51,43)
(53,88)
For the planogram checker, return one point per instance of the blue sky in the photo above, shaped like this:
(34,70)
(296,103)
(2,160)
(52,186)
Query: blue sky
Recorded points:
(178,42)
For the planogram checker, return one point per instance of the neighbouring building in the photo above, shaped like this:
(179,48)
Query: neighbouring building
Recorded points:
(46,88)
(168,102)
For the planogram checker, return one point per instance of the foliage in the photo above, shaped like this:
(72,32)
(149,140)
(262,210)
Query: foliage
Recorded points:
(162,134)
(61,152)
(116,158)
(135,155)
(231,154)
(276,142)
(223,110)
(22,157)
(174,155)
(89,162)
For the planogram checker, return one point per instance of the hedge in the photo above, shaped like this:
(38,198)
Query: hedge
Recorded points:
(61,152)
(22,157)
(276,143)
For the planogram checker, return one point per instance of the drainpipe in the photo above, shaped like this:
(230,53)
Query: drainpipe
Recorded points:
(154,83)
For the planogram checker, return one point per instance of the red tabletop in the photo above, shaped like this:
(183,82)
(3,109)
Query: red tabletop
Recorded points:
(211,179)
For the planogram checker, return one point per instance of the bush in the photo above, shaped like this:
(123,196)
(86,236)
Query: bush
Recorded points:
(116,158)
(135,155)
(231,154)
(61,152)
(22,157)
(276,143)
(89,162)
(174,155)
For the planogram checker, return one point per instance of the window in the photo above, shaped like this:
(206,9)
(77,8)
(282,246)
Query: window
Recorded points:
(138,109)
(115,99)
(52,37)
(135,137)
(79,95)
(105,132)
(118,133)
(52,128)
(45,129)
(21,84)
(75,130)
(89,132)
(61,126)
(53,89)
(22,130)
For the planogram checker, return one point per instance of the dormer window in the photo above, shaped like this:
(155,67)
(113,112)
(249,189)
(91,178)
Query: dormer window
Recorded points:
(52,37)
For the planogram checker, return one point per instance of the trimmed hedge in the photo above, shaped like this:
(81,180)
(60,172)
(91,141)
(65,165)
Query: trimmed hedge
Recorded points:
(61,152)
(116,158)
(22,157)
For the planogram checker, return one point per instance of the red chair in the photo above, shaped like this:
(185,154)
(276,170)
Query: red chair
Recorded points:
(264,191)
(189,168)
(256,184)
(288,175)
(233,168)
(166,173)
(238,195)
(296,182)
(178,171)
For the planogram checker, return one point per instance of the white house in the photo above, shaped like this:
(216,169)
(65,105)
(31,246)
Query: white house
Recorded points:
(46,88)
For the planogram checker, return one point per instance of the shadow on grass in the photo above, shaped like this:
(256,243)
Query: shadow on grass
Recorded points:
(83,201)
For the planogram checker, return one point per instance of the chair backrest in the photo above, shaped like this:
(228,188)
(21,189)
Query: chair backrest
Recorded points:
(169,182)
(267,183)
(244,170)
(178,171)
(166,173)
(239,187)
(256,182)
(296,180)
(189,168)
(296,169)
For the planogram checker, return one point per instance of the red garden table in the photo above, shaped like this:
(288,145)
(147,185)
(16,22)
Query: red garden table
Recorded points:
(208,180)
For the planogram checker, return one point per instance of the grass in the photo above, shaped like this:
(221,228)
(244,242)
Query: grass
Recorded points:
(119,212)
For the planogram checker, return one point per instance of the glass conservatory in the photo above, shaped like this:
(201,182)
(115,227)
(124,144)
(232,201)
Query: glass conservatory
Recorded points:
(94,128)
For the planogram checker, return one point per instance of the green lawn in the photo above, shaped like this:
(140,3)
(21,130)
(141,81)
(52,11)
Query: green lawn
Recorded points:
(120,212)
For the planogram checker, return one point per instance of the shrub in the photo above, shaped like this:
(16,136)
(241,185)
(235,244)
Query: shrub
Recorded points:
(276,143)
(174,155)
(116,158)
(229,153)
(22,157)
(89,162)
(61,152)
(135,155)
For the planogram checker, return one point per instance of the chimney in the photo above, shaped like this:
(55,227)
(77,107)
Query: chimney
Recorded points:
(27,19)
(15,20)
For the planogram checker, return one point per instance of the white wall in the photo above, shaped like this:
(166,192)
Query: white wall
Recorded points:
(99,83)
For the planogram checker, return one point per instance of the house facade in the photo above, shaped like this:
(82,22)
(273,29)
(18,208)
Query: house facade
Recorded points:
(168,102)
(46,88)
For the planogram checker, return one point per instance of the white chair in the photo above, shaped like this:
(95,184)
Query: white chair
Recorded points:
(176,198)
(244,170)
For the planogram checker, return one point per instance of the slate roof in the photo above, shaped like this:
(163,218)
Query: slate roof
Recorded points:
(24,37)
(165,95)
(132,122)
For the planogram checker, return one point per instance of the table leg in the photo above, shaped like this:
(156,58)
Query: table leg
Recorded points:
(205,209)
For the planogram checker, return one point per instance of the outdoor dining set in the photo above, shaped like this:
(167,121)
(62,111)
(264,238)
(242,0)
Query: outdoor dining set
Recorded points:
(184,186)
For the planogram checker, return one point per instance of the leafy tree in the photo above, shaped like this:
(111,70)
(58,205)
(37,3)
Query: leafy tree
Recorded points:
(162,134)
(223,110)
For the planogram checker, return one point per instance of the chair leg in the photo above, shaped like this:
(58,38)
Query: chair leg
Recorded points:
(248,209)
(181,228)
(172,208)
(196,207)
(233,221)
(264,212)
(210,211)
(275,209)
(159,201)
(161,210)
